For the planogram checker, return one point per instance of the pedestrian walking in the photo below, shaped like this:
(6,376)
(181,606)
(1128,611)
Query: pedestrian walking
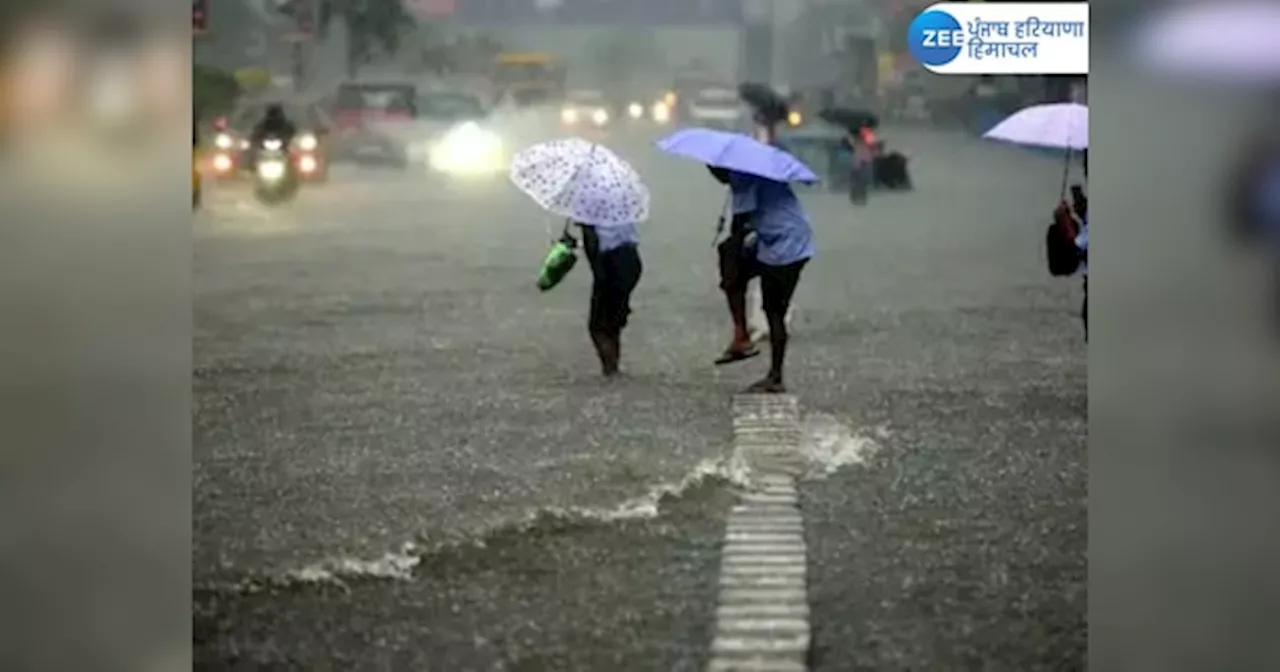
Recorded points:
(766,131)
(602,195)
(863,143)
(614,256)
(1059,126)
(1080,206)
(770,237)
(773,243)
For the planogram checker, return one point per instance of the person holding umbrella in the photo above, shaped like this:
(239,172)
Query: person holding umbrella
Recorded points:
(770,235)
(862,143)
(1058,126)
(602,195)
(769,108)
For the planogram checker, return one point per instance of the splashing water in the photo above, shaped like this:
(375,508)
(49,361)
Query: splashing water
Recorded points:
(827,445)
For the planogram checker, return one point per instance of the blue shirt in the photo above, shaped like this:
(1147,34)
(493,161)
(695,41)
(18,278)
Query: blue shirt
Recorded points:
(782,228)
(613,237)
(1082,242)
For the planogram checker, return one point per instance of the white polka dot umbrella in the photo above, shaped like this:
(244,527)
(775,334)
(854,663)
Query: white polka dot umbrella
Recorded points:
(582,181)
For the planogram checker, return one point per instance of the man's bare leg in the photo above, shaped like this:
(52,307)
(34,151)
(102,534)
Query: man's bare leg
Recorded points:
(740,347)
(757,323)
(608,350)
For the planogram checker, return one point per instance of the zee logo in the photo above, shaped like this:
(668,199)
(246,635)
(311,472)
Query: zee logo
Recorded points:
(943,38)
(935,38)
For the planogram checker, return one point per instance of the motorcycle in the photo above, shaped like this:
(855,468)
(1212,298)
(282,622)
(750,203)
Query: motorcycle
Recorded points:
(275,178)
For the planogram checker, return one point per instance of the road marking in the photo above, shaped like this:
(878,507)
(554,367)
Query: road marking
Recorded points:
(750,557)
(762,617)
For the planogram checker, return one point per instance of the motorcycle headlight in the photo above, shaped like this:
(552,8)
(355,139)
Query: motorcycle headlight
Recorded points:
(636,110)
(308,142)
(223,141)
(271,170)
(661,113)
(794,118)
(272,144)
(569,116)
(600,117)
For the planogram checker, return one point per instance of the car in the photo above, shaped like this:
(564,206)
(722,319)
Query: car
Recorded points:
(458,141)
(311,149)
(586,108)
(716,107)
(371,117)
(638,106)
(359,103)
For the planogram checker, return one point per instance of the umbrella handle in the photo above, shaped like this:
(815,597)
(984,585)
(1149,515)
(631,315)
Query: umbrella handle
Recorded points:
(1066,168)
(566,235)
(724,210)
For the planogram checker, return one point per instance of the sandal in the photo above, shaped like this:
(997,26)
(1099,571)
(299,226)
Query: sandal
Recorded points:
(767,386)
(735,355)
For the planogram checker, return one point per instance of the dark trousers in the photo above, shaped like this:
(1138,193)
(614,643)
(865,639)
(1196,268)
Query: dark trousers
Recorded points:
(615,276)
(1084,309)
(739,266)
(860,179)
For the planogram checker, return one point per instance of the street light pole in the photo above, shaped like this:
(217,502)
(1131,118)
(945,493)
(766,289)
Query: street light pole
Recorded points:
(307,16)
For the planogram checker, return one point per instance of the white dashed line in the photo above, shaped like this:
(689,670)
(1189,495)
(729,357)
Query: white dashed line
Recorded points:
(762,618)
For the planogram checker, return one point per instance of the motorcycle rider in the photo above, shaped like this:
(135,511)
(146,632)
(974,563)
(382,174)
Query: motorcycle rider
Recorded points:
(274,124)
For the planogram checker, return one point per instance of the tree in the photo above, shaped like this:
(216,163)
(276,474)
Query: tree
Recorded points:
(372,26)
(213,91)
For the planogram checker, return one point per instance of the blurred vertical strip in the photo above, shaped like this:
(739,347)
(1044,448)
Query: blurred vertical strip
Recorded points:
(95,410)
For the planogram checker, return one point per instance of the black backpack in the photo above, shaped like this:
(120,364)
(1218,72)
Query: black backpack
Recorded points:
(1060,244)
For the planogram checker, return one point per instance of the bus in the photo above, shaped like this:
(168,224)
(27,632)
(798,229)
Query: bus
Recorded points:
(528,78)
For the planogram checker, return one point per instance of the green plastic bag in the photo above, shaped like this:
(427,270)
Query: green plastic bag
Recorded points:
(560,260)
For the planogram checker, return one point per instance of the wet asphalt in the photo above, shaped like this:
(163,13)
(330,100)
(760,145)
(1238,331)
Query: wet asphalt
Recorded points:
(374,368)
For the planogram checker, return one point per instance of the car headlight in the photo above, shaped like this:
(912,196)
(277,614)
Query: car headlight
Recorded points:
(272,144)
(222,163)
(223,141)
(794,118)
(471,136)
(569,116)
(600,117)
(636,110)
(661,113)
(308,142)
(467,149)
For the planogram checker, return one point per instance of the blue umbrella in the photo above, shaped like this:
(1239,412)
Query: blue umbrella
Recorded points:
(737,152)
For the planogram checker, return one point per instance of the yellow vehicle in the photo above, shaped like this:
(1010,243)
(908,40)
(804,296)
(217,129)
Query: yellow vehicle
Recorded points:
(529,78)
(195,167)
